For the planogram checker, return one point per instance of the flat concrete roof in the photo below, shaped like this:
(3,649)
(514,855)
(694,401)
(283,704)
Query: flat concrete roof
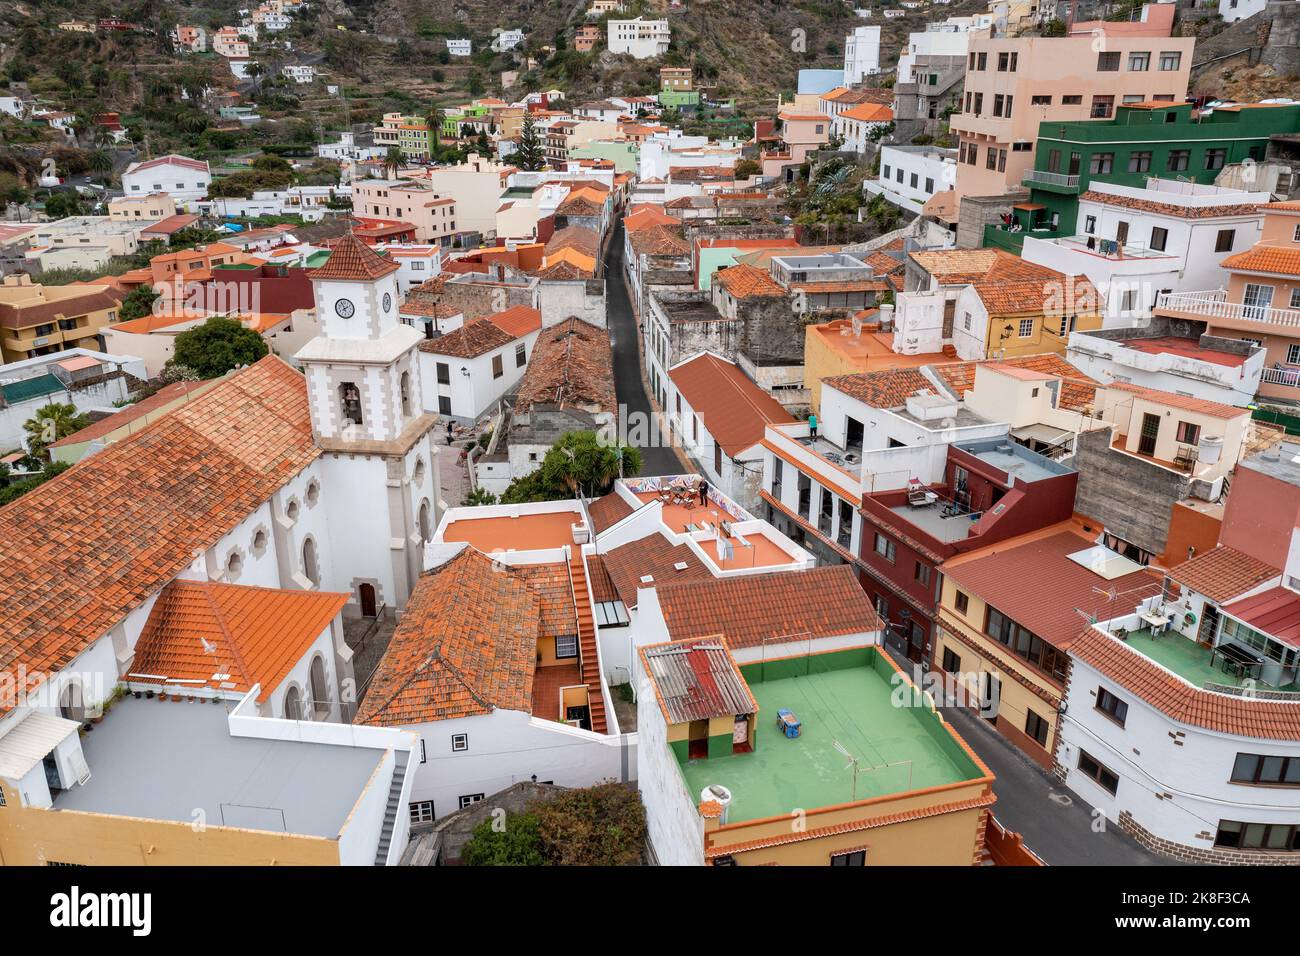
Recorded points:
(843,697)
(931,520)
(1016,460)
(167,760)
(1282,462)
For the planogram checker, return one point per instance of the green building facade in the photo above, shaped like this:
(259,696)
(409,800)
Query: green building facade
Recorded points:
(1151,140)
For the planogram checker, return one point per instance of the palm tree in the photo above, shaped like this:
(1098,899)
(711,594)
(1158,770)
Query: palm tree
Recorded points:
(393,161)
(56,420)
(434,119)
(101,163)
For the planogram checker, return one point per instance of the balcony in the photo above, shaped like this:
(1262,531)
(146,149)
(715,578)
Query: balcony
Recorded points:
(1212,305)
(1052,182)
(1287,375)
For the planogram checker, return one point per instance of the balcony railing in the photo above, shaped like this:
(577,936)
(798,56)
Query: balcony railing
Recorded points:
(1215,304)
(1039,177)
(1281,376)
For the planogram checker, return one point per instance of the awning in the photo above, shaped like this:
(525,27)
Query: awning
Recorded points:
(31,741)
(1048,434)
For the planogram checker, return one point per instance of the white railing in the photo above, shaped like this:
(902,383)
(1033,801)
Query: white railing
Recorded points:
(1215,304)
(1049,179)
(1281,376)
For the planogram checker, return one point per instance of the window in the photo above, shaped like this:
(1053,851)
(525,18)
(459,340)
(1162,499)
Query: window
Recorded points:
(776,477)
(998,100)
(966,321)
(886,548)
(1102,106)
(470,799)
(422,812)
(884,172)
(1002,159)
(921,573)
(1215,158)
(1139,62)
(1266,770)
(1026,328)
(913,180)
(1036,727)
(1090,224)
(1007,62)
(1295,237)
(1159,238)
(1139,162)
(444,374)
(1111,706)
(459,743)
(1040,100)
(951,662)
(1188,433)
(1293,354)
(1107,62)
(1072,100)
(498,367)
(979,103)
(1233,834)
(1223,241)
(1178,159)
(961,602)
(853,857)
(929,184)
(1170,61)
(1068,323)
(982,61)
(521,355)
(1101,163)
(423,756)
(1089,767)
(566,646)
(1025,644)
(991,160)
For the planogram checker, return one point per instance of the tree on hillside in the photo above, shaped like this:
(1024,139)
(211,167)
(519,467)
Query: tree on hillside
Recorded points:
(434,119)
(531,155)
(393,161)
(59,205)
(217,346)
(50,423)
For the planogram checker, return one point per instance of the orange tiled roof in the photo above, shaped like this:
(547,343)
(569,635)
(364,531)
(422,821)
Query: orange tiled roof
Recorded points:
(1223,573)
(229,637)
(571,364)
(517,321)
(654,556)
(1169,209)
(884,388)
(819,602)
(869,113)
(469,341)
(146,406)
(732,408)
(1078,391)
(466,645)
(351,258)
(1037,296)
(744,282)
(646,216)
(1278,260)
(608,510)
(660,240)
(87,547)
(1133,671)
(1185,402)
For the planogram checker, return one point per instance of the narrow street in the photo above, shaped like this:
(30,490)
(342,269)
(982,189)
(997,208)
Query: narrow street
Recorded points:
(628,385)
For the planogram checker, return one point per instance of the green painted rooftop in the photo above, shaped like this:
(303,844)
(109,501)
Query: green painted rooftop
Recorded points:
(846,697)
(1187,659)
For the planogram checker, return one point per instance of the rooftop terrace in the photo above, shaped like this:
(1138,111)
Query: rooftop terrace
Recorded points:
(1016,461)
(166,760)
(525,532)
(1191,661)
(843,697)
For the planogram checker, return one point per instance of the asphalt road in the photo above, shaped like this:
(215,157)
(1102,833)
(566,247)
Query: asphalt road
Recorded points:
(632,397)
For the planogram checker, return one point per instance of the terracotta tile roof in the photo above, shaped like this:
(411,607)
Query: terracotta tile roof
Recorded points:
(1170,209)
(645,217)
(882,263)
(1185,402)
(1275,612)
(571,364)
(229,637)
(126,416)
(423,306)
(466,646)
(85,548)
(469,341)
(731,407)
(517,321)
(869,113)
(696,680)
(1032,580)
(576,237)
(577,204)
(551,586)
(1222,574)
(350,258)
(745,282)
(561,271)
(608,510)
(602,586)
(660,241)
(699,174)
(655,556)
(820,602)
(1279,260)
(1078,391)
(1138,674)
(1288,205)
(885,388)
(963,266)
(93,299)
(1015,296)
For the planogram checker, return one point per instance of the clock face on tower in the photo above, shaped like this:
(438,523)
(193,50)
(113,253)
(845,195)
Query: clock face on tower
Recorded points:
(345,308)
(388,301)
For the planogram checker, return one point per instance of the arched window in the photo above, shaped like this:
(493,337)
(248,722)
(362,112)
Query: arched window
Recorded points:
(406,394)
(350,402)
(72,701)
(313,493)
(293,704)
(320,691)
(426,531)
(310,566)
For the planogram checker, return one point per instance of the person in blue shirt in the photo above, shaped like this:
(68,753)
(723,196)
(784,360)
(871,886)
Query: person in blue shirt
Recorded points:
(812,426)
